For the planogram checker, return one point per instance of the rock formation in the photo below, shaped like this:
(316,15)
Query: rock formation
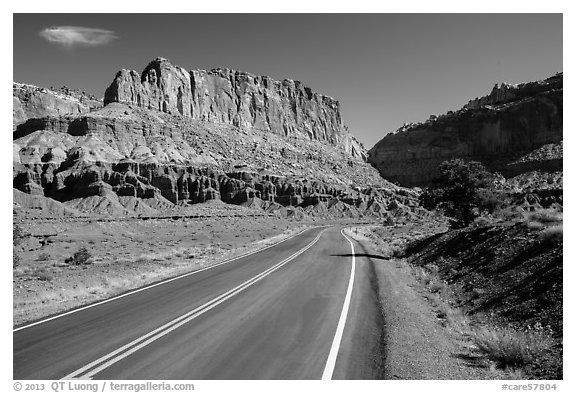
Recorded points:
(496,130)
(233,97)
(170,139)
(30,102)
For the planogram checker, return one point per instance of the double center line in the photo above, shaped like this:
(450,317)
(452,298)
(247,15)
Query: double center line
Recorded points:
(93,368)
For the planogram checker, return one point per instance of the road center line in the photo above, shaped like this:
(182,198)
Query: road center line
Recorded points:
(333,355)
(93,368)
(159,283)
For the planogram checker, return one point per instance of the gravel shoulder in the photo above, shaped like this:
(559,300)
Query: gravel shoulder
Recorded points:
(416,345)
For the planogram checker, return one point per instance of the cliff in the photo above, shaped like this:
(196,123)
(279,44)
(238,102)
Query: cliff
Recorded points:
(31,102)
(286,108)
(497,130)
(170,139)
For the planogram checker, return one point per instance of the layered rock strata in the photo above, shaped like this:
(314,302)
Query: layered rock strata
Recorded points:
(30,102)
(126,159)
(241,99)
(496,130)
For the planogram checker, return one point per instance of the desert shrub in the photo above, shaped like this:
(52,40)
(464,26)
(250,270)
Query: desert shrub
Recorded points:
(463,191)
(43,257)
(510,213)
(544,216)
(553,233)
(44,275)
(511,348)
(481,222)
(435,286)
(534,225)
(490,200)
(80,257)
(398,251)
(477,293)
(18,236)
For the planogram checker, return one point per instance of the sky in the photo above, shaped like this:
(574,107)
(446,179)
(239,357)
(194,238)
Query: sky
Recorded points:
(385,69)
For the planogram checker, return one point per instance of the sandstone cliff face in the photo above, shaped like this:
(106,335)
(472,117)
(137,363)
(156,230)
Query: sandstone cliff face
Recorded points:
(505,92)
(170,138)
(31,102)
(132,158)
(496,130)
(244,100)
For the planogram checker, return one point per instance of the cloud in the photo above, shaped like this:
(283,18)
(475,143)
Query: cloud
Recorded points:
(70,36)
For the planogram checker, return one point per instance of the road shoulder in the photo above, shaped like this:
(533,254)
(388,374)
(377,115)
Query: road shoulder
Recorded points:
(416,345)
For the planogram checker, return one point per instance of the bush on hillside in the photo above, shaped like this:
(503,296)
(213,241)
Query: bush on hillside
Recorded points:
(80,257)
(463,191)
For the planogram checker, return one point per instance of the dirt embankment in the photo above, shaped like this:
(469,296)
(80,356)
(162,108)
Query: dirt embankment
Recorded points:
(478,303)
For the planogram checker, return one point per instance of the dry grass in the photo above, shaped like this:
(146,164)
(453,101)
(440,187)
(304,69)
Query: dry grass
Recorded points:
(43,257)
(180,252)
(43,275)
(510,348)
(548,221)
(543,216)
(554,233)
(505,349)
(509,352)
(534,225)
(80,257)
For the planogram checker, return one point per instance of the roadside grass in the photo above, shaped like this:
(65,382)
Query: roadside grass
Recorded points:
(548,221)
(180,252)
(512,351)
(509,348)
(553,233)
(508,352)
(544,216)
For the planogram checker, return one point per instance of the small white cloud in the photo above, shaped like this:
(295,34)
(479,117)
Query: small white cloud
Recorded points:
(70,36)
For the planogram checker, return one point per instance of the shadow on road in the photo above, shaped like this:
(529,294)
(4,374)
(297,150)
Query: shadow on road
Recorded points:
(362,255)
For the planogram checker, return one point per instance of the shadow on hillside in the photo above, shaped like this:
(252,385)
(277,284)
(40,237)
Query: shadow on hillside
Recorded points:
(419,245)
(471,360)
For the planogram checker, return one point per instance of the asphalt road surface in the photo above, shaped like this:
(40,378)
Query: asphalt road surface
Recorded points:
(301,309)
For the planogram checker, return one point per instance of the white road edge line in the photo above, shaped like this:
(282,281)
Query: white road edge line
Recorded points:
(93,368)
(333,355)
(159,283)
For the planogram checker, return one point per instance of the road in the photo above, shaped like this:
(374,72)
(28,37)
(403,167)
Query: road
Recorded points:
(302,309)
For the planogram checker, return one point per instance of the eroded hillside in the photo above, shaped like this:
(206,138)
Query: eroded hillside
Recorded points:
(273,145)
(499,130)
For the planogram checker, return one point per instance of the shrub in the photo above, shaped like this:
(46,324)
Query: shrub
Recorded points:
(462,191)
(18,235)
(44,275)
(534,225)
(481,221)
(80,257)
(477,293)
(511,348)
(43,257)
(553,233)
(544,216)
(15,258)
(435,286)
